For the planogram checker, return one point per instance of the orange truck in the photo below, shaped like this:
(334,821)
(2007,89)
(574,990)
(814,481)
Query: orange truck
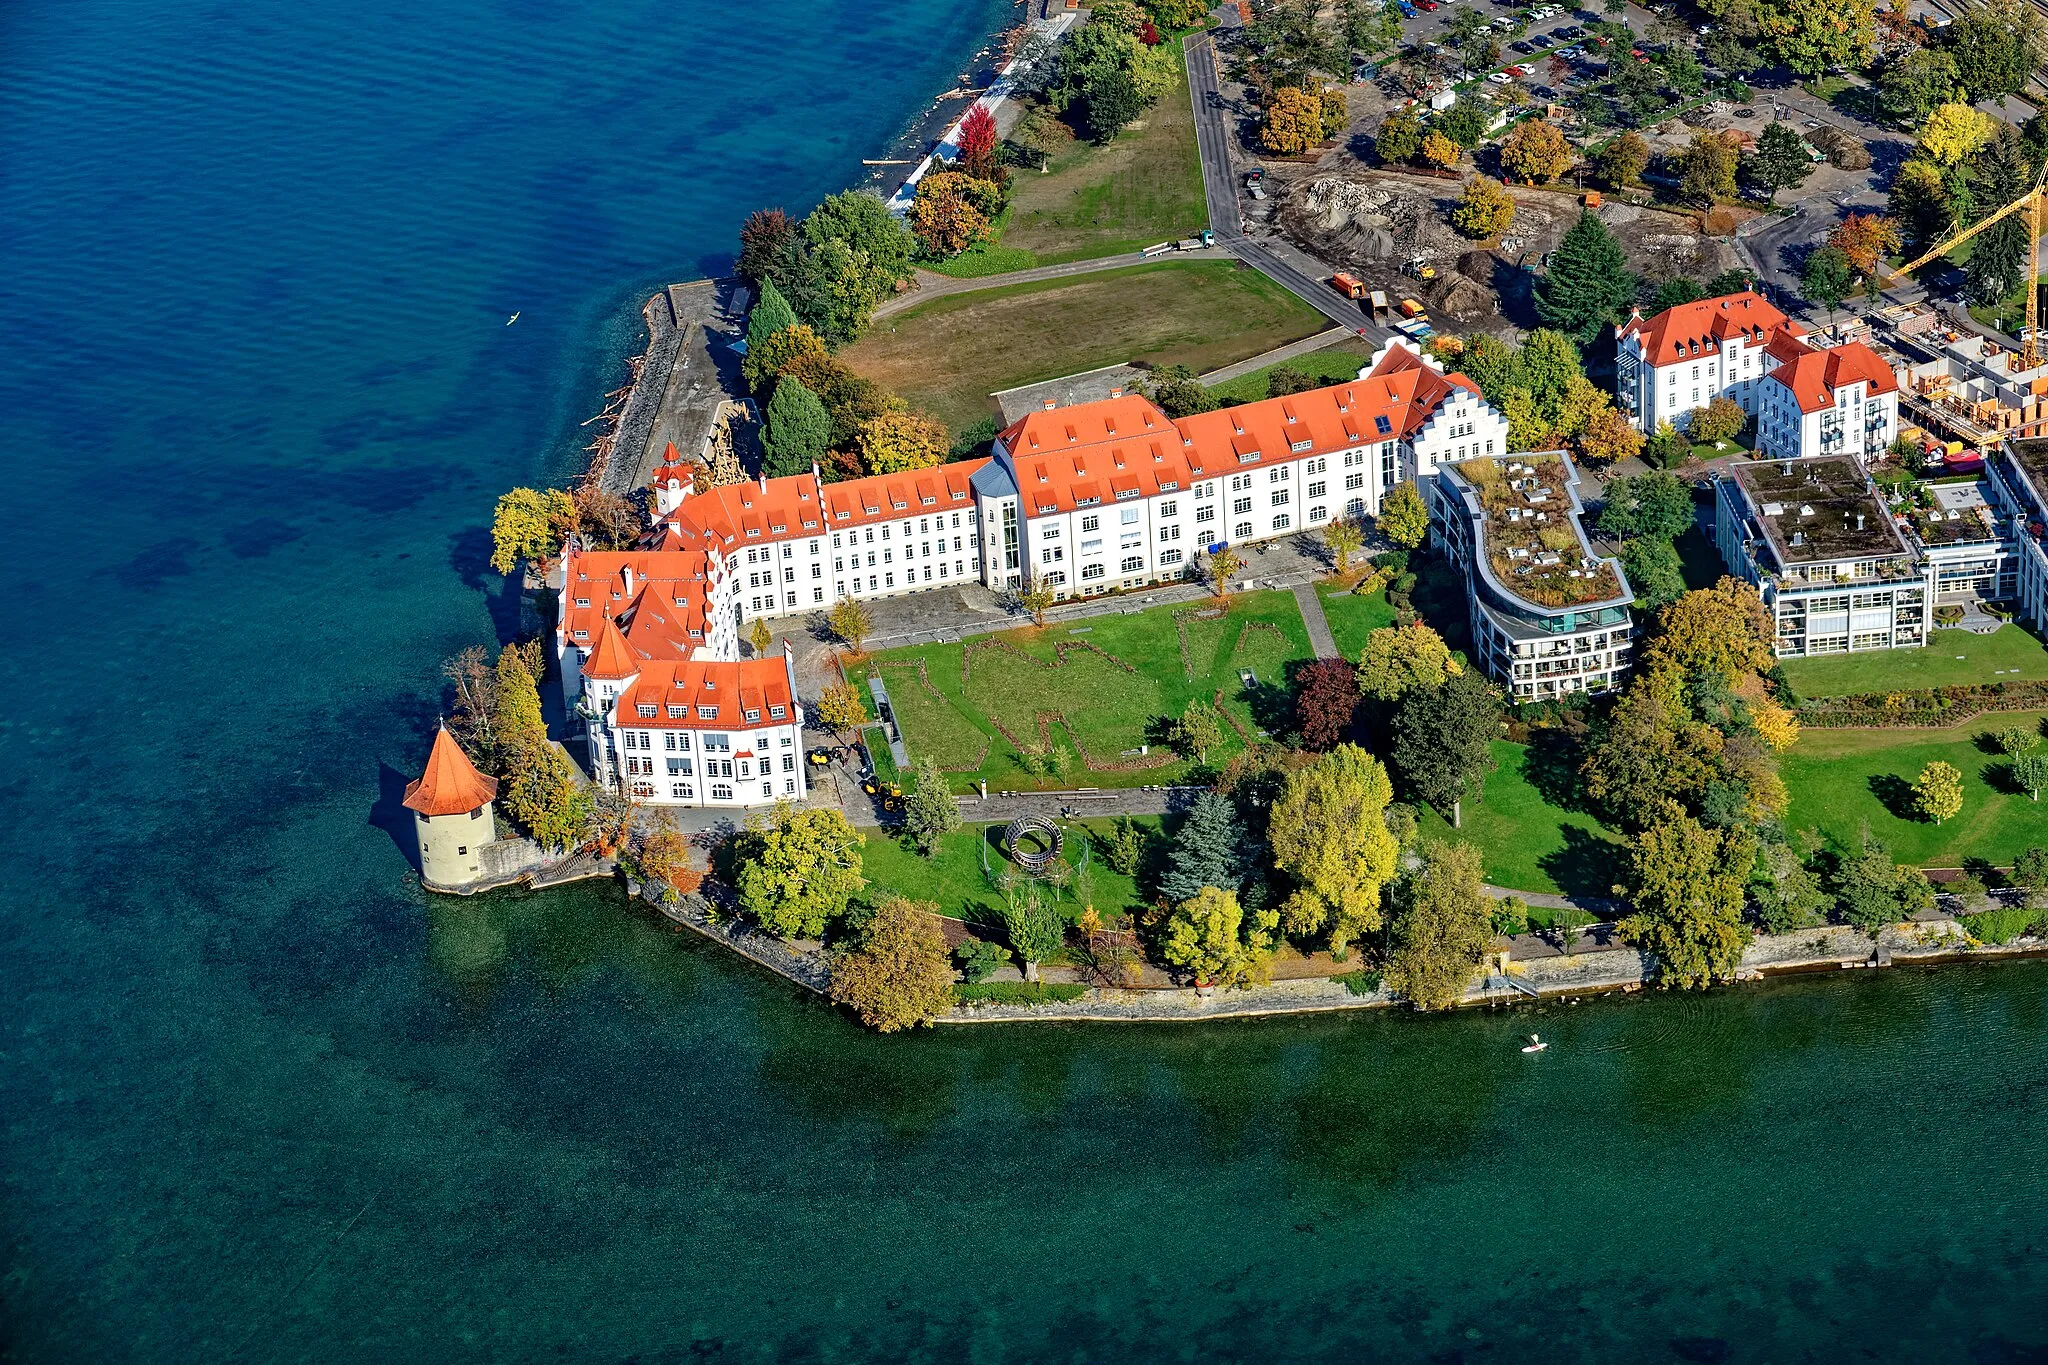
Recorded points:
(1349,287)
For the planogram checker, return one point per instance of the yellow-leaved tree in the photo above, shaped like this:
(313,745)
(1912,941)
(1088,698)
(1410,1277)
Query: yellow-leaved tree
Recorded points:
(1329,832)
(1536,152)
(1486,210)
(900,440)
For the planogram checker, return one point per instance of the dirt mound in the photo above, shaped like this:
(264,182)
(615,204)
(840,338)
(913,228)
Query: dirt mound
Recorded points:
(1464,298)
(1478,265)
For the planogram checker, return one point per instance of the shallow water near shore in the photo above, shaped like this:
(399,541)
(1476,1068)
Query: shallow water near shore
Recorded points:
(264,1101)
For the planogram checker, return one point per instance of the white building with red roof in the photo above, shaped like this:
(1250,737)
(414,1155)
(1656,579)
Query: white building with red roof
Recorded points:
(1115,494)
(1841,400)
(1689,355)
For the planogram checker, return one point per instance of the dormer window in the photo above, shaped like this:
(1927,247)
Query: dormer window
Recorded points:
(777,712)
(753,716)
(678,712)
(707,713)
(646,712)
(1301,445)
(582,601)
(927,502)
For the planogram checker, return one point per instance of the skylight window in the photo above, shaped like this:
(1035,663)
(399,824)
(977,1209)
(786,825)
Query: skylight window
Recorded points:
(1382,425)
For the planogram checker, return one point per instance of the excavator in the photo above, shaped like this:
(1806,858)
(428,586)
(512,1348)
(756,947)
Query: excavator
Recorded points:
(2032,203)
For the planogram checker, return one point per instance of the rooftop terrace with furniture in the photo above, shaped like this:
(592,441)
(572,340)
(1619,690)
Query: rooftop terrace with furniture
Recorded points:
(1531,530)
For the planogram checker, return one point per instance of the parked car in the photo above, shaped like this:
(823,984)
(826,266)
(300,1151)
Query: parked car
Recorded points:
(1521,46)
(1501,78)
(1428,4)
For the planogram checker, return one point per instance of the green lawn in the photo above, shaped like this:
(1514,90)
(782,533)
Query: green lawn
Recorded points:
(1528,843)
(1951,658)
(1056,683)
(1352,617)
(948,355)
(1840,779)
(953,879)
(1142,188)
(1334,364)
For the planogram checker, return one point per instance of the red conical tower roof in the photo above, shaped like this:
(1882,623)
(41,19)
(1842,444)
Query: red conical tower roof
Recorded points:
(451,784)
(610,657)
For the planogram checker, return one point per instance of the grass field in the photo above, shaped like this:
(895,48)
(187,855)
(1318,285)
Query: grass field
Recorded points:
(1840,779)
(1951,658)
(1334,364)
(948,355)
(953,879)
(1019,682)
(1352,617)
(1528,843)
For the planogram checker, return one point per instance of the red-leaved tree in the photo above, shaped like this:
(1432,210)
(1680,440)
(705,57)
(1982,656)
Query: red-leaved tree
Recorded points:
(978,143)
(1325,703)
(762,239)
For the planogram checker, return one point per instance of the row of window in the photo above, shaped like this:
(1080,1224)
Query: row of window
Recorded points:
(720,791)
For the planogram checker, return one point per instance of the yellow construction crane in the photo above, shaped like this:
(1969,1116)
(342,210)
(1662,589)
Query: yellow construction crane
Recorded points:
(2032,201)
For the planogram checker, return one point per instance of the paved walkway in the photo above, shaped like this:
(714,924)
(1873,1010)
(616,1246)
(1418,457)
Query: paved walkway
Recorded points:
(932,285)
(1319,637)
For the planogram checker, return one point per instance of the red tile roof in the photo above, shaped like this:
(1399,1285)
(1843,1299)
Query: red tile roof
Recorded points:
(1691,330)
(655,599)
(708,696)
(451,784)
(883,497)
(1126,447)
(1813,375)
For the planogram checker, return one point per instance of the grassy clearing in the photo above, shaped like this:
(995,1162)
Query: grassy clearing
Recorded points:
(1529,842)
(948,355)
(1019,682)
(1952,658)
(952,877)
(1144,187)
(1352,617)
(1334,364)
(1842,779)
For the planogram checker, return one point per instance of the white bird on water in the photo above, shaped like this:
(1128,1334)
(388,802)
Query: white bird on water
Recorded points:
(514,318)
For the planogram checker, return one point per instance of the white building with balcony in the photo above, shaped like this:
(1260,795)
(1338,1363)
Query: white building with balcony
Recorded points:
(1686,356)
(1549,617)
(1842,400)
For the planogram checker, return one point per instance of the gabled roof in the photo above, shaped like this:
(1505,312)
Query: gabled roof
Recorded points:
(451,784)
(1691,330)
(657,598)
(1813,375)
(1123,448)
(708,696)
(883,497)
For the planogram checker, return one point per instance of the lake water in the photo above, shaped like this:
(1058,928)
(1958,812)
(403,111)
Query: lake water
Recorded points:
(264,1102)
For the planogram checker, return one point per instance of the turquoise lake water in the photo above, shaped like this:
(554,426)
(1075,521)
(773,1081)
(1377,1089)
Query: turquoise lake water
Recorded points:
(264,1102)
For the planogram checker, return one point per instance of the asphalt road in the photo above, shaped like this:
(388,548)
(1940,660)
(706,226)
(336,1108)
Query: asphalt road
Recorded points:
(1294,270)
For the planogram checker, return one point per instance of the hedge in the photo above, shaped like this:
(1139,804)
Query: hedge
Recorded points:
(1018,993)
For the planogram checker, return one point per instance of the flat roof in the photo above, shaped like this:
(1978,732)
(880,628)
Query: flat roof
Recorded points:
(1817,510)
(2030,453)
(1530,522)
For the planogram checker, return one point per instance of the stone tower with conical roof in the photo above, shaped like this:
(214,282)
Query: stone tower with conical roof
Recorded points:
(451,811)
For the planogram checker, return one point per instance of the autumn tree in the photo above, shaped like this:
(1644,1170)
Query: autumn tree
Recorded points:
(549,798)
(1398,659)
(664,856)
(1404,517)
(1865,238)
(1686,884)
(1223,566)
(977,140)
(1439,151)
(1325,702)
(795,431)
(516,721)
(765,239)
(1485,210)
(1037,597)
(944,217)
(1608,438)
(851,621)
(1294,122)
(1443,738)
(1706,170)
(1536,152)
(1198,730)
(785,351)
(841,708)
(1442,926)
(1725,630)
(1811,36)
(1953,133)
(759,636)
(929,811)
(1621,163)
(1399,139)
(1329,834)
(1209,937)
(1938,792)
(896,974)
(1720,420)
(528,525)
(1343,539)
(900,440)
(797,869)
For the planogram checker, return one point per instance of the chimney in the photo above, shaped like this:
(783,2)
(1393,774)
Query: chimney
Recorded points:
(1050,404)
(1859,521)
(764,479)
(1116,393)
(628,572)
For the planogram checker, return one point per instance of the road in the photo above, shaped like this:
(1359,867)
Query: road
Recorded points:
(1294,270)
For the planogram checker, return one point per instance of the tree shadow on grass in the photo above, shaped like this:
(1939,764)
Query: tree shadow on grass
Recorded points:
(1551,766)
(1895,794)
(1271,705)
(1587,866)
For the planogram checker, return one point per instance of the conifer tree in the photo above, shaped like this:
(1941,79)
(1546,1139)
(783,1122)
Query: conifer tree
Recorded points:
(771,313)
(929,811)
(1208,850)
(1588,283)
(796,431)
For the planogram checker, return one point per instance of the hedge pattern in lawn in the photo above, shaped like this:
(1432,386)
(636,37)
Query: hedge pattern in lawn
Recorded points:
(923,710)
(1930,708)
